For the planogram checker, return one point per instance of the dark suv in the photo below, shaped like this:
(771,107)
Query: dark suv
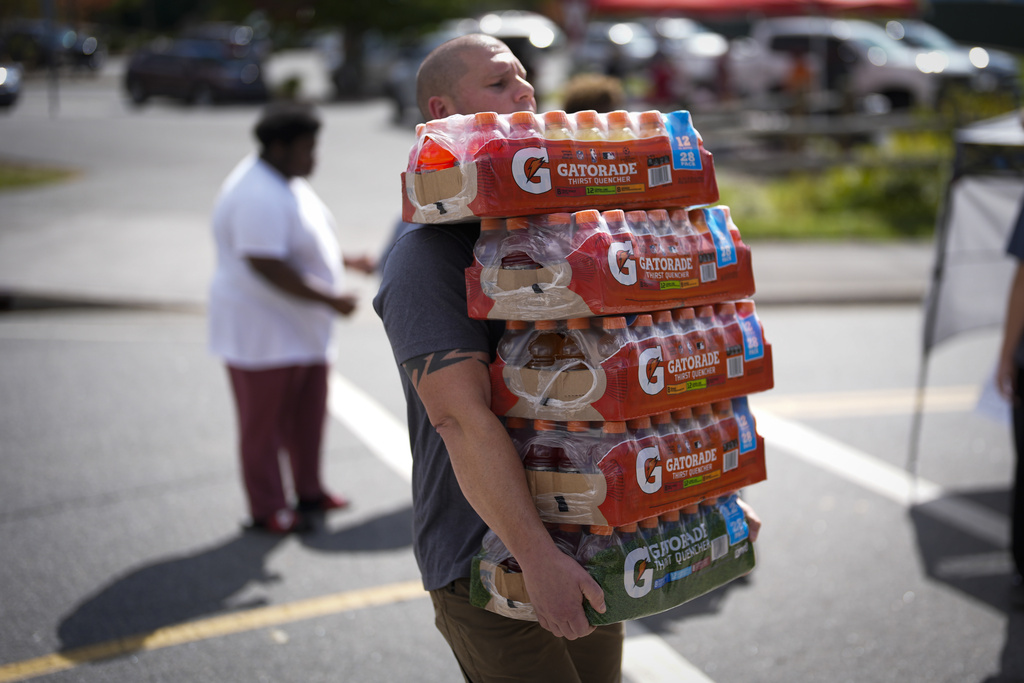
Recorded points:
(196,70)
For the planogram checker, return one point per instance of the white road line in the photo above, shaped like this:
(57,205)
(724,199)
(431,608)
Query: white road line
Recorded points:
(878,476)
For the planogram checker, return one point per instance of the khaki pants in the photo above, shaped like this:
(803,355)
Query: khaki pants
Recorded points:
(491,648)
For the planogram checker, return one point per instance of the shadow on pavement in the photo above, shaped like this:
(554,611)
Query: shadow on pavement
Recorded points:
(709,603)
(978,568)
(182,589)
(387,532)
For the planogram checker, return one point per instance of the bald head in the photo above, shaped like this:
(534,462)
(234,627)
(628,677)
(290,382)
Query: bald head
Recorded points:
(469,74)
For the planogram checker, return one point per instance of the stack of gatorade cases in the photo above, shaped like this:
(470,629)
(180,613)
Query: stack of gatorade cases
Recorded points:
(630,345)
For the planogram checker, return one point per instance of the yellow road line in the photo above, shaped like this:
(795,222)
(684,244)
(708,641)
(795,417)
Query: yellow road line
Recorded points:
(180,634)
(866,403)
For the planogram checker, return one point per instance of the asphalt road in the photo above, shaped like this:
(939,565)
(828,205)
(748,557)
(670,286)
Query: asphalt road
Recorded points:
(122,556)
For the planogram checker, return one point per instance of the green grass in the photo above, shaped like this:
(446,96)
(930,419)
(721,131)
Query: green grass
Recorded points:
(15,175)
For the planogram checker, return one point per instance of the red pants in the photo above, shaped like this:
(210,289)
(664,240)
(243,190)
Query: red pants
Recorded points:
(280,409)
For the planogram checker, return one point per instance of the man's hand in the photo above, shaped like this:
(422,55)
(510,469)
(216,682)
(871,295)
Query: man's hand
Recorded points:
(558,587)
(344,304)
(753,521)
(364,263)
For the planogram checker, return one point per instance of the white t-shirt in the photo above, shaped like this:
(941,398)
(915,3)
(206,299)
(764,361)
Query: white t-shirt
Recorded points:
(253,324)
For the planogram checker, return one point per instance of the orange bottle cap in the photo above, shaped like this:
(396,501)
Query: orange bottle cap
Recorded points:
(643,320)
(579,323)
(546,325)
(727,308)
(555,220)
(556,118)
(684,314)
(601,530)
(486,118)
(543,425)
(618,118)
(670,516)
(614,216)
(658,215)
(614,322)
(649,523)
(515,325)
(491,223)
(514,423)
(614,428)
(682,414)
(578,426)
(518,223)
(650,118)
(523,118)
(639,423)
(588,216)
(628,528)
(588,118)
(663,317)
(662,418)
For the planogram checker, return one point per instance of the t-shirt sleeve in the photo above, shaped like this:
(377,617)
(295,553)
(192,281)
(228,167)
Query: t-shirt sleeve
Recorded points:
(422,297)
(260,224)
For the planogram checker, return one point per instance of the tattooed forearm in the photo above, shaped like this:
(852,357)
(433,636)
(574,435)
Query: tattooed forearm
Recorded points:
(419,367)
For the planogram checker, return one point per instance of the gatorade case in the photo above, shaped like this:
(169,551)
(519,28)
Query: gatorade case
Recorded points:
(534,175)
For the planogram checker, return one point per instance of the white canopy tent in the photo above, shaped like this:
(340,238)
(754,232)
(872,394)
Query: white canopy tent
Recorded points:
(972,272)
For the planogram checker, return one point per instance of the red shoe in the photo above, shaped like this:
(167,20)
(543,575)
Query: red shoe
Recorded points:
(327,501)
(284,521)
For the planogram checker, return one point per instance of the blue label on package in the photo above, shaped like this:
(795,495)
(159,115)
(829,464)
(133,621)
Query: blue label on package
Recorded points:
(745,421)
(726,248)
(683,140)
(735,522)
(753,342)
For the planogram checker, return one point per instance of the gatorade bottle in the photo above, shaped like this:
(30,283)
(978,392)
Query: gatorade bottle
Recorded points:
(729,429)
(708,322)
(620,127)
(541,453)
(669,522)
(597,539)
(492,232)
(690,338)
(557,126)
(708,426)
(708,252)
(557,231)
(732,336)
(668,436)
(668,333)
(689,437)
(613,435)
(433,156)
(512,346)
(650,530)
(585,224)
(652,123)
(643,331)
(517,241)
(628,534)
(661,227)
(577,453)
(589,126)
(647,242)
(544,345)
(486,127)
(572,354)
(614,335)
(523,125)
(615,221)
(689,241)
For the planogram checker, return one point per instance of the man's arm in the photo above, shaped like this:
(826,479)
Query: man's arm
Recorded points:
(288,280)
(454,387)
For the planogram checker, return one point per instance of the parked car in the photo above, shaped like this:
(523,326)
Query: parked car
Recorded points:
(10,83)
(981,69)
(852,61)
(37,43)
(692,47)
(196,70)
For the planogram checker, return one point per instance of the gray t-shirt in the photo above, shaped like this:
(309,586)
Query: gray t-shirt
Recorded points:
(422,301)
(1016,248)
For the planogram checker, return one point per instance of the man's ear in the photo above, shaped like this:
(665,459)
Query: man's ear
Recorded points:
(441,106)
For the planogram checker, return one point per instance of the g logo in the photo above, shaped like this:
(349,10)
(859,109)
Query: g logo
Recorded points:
(621,262)
(530,170)
(648,470)
(638,575)
(651,372)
